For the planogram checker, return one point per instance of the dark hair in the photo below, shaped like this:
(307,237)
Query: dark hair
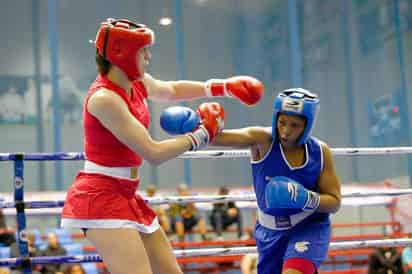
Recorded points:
(223,190)
(103,66)
(2,220)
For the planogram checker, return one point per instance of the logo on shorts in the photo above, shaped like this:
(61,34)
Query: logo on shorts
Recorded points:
(301,246)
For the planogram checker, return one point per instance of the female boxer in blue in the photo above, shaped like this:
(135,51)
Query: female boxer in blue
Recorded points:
(295,183)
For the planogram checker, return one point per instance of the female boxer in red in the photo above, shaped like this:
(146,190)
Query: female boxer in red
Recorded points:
(102,200)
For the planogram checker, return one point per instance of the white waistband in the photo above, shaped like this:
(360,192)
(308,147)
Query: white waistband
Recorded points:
(281,222)
(129,173)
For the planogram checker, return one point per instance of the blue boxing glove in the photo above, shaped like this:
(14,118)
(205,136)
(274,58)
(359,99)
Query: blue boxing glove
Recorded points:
(179,120)
(283,192)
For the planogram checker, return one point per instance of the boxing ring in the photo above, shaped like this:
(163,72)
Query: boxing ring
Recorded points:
(20,205)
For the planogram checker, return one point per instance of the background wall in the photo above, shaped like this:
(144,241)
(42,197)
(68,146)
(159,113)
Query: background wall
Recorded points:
(356,55)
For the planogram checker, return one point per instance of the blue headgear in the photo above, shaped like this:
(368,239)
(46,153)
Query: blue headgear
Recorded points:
(300,102)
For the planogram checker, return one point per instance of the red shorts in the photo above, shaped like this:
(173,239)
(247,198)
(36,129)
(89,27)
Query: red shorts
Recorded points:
(100,201)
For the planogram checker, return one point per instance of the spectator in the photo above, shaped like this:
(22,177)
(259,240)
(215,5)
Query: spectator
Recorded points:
(6,235)
(73,269)
(33,252)
(224,215)
(53,249)
(385,260)
(4,270)
(185,218)
(248,264)
(159,210)
(407,257)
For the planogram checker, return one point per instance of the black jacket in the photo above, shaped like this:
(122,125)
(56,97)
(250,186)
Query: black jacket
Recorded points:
(384,261)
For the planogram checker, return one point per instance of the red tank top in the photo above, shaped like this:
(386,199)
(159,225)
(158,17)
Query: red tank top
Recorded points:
(100,145)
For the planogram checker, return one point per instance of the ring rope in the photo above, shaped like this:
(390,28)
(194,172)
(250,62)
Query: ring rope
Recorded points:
(351,151)
(20,204)
(209,199)
(202,252)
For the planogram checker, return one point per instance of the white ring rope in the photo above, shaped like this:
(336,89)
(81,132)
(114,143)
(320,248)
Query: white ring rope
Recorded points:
(350,151)
(211,198)
(252,197)
(203,252)
(252,249)
(203,154)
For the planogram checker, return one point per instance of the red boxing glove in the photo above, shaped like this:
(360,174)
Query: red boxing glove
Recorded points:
(212,116)
(246,89)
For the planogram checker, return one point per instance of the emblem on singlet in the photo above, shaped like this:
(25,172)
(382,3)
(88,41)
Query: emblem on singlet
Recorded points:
(302,246)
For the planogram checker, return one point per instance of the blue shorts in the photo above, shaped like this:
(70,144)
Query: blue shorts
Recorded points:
(309,240)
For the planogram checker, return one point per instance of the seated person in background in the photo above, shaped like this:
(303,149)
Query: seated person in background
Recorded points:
(224,215)
(184,216)
(73,269)
(248,264)
(6,235)
(385,260)
(4,270)
(159,209)
(407,257)
(53,249)
(33,252)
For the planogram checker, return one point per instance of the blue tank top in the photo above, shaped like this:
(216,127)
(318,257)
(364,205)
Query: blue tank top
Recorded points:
(275,163)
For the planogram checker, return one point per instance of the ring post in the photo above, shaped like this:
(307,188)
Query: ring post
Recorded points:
(22,239)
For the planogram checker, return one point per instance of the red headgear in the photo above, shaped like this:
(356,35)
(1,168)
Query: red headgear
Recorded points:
(118,42)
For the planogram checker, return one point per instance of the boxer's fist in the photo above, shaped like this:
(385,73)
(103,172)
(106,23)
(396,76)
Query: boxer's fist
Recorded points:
(284,193)
(246,89)
(212,117)
(179,120)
